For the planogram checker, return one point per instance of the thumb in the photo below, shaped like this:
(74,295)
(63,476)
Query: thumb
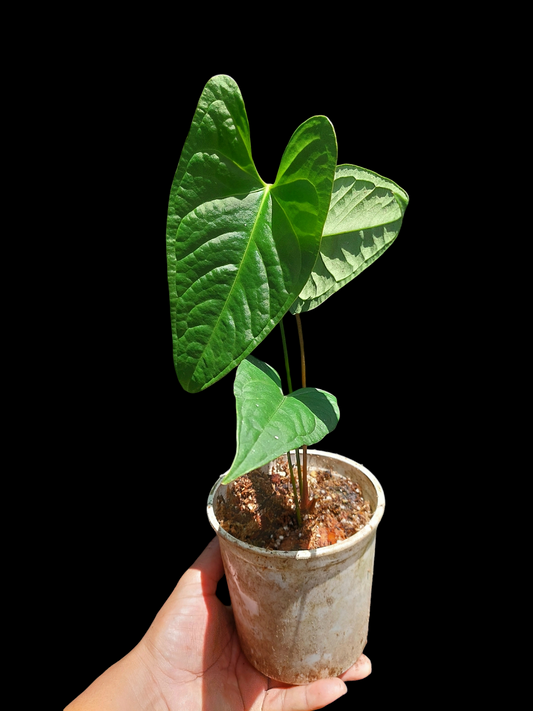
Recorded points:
(196,585)
(305,698)
(205,572)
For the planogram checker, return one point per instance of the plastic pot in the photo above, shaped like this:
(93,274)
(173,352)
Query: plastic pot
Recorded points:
(303,615)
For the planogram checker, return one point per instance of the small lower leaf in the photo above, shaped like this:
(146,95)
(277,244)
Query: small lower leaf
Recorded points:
(270,423)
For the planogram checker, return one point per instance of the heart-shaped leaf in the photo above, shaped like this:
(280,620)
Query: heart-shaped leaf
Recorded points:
(239,251)
(270,423)
(364,219)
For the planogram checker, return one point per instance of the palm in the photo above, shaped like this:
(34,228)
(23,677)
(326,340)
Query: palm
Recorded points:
(195,654)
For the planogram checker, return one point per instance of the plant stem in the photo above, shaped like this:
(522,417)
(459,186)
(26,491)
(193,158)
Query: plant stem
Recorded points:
(302,351)
(289,385)
(295,491)
(304,487)
(300,482)
(286,356)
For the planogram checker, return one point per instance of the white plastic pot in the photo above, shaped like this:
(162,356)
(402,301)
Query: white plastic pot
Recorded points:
(303,615)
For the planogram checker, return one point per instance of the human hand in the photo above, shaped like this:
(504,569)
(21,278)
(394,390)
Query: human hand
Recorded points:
(195,653)
(191,660)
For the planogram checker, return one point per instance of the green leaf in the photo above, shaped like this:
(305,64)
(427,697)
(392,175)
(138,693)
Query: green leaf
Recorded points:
(239,251)
(364,219)
(269,423)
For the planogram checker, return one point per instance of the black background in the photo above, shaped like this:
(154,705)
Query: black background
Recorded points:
(141,453)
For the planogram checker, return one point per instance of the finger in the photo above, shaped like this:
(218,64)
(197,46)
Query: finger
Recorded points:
(210,561)
(202,577)
(361,669)
(207,569)
(305,698)
(195,585)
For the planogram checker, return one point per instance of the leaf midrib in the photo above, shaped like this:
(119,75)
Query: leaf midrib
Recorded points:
(228,298)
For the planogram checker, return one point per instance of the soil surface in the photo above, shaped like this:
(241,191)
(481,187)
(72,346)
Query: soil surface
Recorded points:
(259,509)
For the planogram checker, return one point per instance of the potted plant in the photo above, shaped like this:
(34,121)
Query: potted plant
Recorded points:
(241,255)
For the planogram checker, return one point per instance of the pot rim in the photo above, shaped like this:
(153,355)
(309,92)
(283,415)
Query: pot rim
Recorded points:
(333,549)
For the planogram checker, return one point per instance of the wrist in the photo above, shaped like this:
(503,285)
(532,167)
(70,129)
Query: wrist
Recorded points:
(128,685)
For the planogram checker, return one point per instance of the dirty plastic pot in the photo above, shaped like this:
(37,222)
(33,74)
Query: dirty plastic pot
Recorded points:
(303,615)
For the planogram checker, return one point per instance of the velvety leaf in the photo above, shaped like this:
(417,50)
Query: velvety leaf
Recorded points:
(364,219)
(239,251)
(270,423)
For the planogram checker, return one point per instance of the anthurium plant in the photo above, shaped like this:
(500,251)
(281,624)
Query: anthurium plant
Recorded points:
(242,253)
